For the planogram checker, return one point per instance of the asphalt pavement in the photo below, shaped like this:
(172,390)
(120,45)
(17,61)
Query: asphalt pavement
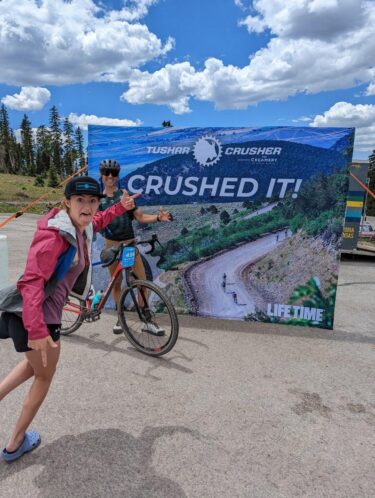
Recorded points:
(235,410)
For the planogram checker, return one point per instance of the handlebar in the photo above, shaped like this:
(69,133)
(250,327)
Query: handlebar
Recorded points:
(110,254)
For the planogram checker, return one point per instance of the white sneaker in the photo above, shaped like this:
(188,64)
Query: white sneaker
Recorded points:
(117,329)
(153,328)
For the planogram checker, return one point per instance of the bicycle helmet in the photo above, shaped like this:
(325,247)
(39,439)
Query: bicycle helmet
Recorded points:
(109,164)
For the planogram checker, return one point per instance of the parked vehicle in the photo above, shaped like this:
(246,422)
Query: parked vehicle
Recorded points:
(366,231)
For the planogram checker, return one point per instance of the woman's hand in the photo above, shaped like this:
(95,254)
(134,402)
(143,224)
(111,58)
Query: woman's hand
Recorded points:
(42,345)
(128,200)
(164,215)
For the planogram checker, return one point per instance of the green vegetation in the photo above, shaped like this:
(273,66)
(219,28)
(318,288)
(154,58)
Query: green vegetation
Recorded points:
(309,295)
(18,192)
(318,209)
(33,155)
(320,205)
(206,240)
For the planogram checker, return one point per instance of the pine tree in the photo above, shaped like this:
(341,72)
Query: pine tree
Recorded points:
(5,134)
(15,153)
(43,150)
(69,151)
(56,140)
(53,180)
(27,144)
(224,217)
(80,148)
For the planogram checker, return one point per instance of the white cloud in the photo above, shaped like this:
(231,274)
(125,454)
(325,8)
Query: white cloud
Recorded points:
(317,46)
(360,116)
(135,11)
(30,98)
(165,86)
(58,42)
(370,89)
(302,119)
(83,120)
(317,19)
(239,3)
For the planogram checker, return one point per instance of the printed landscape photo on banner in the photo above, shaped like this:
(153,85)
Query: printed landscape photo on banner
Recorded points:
(257,216)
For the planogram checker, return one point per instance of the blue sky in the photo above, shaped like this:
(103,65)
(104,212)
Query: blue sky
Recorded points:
(196,63)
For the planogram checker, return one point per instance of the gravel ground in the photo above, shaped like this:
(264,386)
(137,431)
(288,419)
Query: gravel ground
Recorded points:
(235,410)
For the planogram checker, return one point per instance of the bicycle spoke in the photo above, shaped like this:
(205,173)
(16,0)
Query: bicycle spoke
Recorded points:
(72,317)
(147,329)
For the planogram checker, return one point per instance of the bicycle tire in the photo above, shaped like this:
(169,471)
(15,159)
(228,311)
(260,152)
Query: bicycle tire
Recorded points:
(71,321)
(145,341)
(147,267)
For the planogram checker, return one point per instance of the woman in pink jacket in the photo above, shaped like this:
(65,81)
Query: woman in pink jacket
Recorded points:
(58,264)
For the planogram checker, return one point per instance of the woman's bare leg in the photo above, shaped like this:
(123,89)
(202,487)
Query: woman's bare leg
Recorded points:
(20,373)
(42,380)
(116,289)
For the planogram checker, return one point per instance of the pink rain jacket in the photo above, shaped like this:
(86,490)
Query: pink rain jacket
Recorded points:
(48,244)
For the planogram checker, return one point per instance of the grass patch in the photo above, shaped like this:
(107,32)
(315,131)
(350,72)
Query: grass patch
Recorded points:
(17,191)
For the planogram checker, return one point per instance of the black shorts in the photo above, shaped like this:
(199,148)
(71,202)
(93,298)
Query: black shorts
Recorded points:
(12,326)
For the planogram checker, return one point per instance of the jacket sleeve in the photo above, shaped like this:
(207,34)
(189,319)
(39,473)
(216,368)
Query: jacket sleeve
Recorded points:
(46,247)
(103,218)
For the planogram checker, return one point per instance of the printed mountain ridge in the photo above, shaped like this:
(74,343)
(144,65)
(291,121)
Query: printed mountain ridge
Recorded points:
(295,161)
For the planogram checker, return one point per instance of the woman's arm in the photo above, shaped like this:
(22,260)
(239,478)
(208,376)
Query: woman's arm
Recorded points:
(46,247)
(103,218)
(163,215)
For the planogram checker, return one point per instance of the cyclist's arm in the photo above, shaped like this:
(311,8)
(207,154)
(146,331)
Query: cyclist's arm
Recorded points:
(145,218)
(163,215)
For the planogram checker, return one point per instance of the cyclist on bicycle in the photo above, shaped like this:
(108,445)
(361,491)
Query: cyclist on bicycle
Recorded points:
(121,229)
(58,262)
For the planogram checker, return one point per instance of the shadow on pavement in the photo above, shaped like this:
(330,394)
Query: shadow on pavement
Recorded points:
(235,326)
(101,462)
(112,347)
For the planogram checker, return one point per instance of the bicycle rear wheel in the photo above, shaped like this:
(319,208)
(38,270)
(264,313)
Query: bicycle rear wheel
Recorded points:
(72,315)
(148,318)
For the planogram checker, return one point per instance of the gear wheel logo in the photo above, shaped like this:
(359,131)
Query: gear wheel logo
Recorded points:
(207,151)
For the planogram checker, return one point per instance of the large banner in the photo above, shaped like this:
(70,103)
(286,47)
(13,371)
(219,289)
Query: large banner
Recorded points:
(258,215)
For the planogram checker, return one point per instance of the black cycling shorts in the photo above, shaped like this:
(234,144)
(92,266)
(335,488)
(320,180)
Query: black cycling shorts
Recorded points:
(12,326)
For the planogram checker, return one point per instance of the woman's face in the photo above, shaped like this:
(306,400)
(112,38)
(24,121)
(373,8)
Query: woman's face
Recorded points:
(82,209)
(109,178)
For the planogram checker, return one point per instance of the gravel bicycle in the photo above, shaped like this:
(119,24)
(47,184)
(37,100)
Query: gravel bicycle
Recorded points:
(147,317)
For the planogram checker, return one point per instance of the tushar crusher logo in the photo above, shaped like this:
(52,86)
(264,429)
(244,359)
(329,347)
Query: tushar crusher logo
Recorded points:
(207,151)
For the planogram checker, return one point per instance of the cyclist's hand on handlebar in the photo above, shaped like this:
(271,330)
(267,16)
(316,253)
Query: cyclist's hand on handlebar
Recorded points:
(128,201)
(164,215)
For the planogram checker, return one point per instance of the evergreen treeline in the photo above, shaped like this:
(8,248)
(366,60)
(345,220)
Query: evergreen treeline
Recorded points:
(53,152)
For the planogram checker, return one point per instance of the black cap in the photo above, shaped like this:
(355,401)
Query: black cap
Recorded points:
(83,185)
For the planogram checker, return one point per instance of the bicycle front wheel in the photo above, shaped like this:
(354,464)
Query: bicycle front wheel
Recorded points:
(148,318)
(72,315)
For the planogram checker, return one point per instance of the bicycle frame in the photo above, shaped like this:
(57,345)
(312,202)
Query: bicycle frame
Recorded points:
(94,314)
(140,300)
